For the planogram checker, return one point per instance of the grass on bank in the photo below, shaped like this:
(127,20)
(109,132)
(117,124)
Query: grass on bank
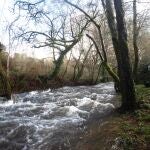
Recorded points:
(135,128)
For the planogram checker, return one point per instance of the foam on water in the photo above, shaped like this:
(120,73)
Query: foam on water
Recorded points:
(38,116)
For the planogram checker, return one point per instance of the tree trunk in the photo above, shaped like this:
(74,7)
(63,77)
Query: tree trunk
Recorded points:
(111,72)
(135,46)
(80,72)
(58,64)
(104,62)
(6,91)
(98,74)
(126,80)
(114,35)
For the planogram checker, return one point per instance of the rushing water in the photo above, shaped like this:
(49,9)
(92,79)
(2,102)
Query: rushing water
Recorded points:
(45,120)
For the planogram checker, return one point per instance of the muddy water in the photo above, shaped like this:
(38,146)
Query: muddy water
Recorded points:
(46,120)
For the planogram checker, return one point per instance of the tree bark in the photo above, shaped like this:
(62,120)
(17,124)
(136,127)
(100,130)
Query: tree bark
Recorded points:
(126,80)
(6,91)
(107,5)
(80,72)
(135,45)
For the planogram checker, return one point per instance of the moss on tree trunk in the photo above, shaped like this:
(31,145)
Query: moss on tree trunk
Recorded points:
(5,85)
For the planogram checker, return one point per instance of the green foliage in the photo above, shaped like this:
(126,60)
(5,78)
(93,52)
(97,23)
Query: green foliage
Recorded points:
(128,142)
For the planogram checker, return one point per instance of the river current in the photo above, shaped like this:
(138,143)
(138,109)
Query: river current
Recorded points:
(46,120)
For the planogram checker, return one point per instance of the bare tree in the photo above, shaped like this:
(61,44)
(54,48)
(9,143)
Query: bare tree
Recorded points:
(63,31)
(102,54)
(119,39)
(11,42)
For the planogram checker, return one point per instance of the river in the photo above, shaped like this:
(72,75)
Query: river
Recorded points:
(51,119)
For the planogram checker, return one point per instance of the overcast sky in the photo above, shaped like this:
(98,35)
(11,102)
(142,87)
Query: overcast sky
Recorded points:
(6,16)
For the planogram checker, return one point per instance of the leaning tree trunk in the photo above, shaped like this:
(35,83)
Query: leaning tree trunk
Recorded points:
(111,72)
(107,5)
(116,80)
(126,80)
(104,62)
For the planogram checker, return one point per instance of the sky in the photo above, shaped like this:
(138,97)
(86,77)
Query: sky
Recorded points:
(6,17)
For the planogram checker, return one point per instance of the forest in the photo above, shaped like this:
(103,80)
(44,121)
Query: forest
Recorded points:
(75,75)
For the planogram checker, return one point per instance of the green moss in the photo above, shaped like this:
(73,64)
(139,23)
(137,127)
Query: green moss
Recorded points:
(142,115)
(147,138)
(145,117)
(144,129)
(129,142)
(143,93)
(127,127)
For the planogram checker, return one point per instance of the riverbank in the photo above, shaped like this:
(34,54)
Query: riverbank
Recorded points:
(121,131)
(28,85)
(37,84)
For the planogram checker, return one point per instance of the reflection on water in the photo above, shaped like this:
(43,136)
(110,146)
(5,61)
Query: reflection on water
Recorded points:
(45,120)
